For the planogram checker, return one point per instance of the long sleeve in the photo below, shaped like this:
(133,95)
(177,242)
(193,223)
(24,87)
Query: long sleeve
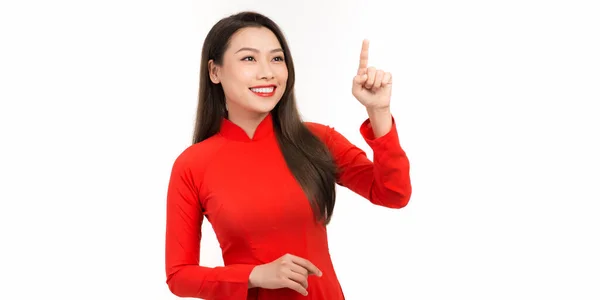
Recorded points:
(385,181)
(185,277)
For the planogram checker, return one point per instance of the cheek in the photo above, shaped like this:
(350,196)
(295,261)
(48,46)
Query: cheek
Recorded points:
(282,75)
(245,76)
(237,82)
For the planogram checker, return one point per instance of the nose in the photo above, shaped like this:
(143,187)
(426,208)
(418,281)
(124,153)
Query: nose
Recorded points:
(265,71)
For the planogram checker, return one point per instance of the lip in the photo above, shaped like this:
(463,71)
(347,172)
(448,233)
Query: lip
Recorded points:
(266,95)
(263,86)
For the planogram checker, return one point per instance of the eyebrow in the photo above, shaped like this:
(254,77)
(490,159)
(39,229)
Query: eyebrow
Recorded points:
(256,50)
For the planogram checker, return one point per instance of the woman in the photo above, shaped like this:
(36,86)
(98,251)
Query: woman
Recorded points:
(264,178)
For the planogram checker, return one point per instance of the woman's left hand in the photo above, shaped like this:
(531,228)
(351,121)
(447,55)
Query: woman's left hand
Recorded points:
(371,87)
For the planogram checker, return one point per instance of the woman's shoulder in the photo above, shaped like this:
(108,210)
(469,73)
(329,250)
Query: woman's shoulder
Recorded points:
(320,130)
(199,154)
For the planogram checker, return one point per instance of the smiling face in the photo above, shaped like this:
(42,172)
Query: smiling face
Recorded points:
(253,73)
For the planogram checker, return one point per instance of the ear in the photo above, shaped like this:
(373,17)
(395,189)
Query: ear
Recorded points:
(213,72)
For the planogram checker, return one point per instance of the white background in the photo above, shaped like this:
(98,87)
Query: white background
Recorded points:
(494,102)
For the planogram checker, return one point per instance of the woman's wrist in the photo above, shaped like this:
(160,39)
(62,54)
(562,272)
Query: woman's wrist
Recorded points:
(251,279)
(381,120)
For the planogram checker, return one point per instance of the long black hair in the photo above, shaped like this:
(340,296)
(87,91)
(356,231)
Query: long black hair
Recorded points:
(306,155)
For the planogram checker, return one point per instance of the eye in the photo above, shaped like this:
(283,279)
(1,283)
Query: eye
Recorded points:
(250,58)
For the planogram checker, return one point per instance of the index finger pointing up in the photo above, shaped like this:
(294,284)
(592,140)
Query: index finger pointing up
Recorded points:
(364,58)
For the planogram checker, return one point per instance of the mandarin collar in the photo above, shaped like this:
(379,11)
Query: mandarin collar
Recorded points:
(234,132)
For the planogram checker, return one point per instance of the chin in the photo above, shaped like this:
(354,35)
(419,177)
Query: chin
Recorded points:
(263,105)
(264,108)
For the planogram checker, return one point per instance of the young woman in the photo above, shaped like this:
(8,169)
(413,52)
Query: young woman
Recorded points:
(264,178)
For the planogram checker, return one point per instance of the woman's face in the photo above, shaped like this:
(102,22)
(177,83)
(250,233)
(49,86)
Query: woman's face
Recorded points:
(253,74)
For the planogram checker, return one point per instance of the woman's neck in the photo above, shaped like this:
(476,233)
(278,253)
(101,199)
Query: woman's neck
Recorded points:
(248,121)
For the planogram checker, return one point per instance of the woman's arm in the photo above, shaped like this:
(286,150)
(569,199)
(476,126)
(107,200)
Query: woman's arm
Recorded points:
(385,181)
(381,121)
(185,277)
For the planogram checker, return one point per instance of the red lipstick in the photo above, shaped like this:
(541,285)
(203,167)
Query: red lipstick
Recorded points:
(264,90)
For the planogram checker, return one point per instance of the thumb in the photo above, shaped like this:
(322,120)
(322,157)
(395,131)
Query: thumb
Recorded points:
(360,79)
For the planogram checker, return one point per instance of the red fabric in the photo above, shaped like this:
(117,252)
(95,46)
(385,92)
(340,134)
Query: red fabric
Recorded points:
(259,212)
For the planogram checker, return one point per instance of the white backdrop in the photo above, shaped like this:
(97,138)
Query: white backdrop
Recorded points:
(494,106)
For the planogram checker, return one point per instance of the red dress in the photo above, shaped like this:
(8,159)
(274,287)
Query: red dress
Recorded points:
(259,212)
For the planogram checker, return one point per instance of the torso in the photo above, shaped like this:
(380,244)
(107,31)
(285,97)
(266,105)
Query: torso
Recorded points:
(258,210)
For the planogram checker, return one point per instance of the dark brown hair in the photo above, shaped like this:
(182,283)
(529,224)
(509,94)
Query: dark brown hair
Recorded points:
(305,154)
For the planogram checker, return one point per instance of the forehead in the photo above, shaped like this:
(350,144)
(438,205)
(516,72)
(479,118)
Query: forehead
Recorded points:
(260,38)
